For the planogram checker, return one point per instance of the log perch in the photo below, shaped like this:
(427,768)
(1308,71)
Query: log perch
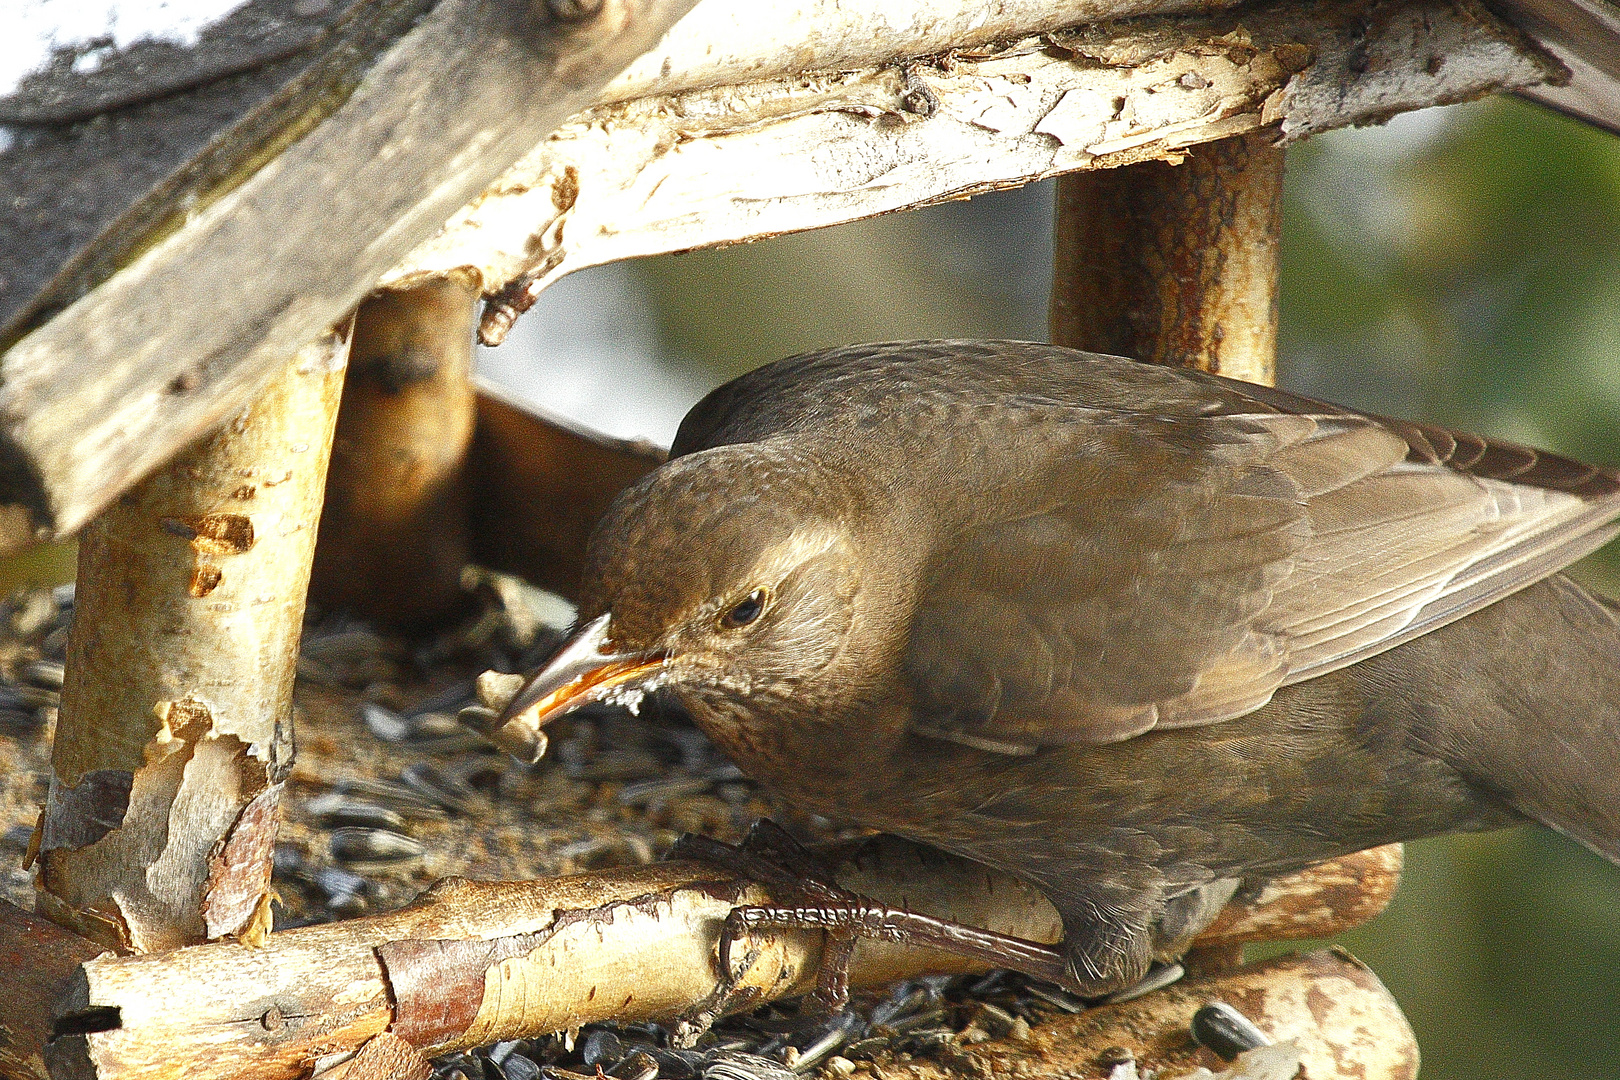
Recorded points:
(471,963)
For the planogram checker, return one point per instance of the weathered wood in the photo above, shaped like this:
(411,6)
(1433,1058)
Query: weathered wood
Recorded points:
(1322,901)
(115,384)
(1175,264)
(394,531)
(1585,36)
(176,720)
(474,962)
(1342,1022)
(735,163)
(172,126)
(538,485)
(40,960)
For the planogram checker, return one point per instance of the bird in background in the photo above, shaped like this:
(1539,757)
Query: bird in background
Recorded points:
(1130,633)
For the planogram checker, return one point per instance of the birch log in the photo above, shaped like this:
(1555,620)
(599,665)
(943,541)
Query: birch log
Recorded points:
(176,719)
(730,163)
(475,962)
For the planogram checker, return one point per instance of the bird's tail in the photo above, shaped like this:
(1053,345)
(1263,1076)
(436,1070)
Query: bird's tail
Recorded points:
(1523,698)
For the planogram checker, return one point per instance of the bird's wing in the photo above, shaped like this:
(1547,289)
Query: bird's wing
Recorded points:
(1224,556)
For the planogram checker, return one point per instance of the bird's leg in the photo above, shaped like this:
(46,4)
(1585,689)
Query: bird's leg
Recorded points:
(813,902)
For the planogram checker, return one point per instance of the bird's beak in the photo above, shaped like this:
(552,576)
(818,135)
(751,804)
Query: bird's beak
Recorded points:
(582,672)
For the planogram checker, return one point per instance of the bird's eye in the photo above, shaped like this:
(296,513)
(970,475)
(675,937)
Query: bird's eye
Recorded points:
(746,611)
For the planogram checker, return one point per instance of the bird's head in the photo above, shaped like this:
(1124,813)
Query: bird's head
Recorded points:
(733,575)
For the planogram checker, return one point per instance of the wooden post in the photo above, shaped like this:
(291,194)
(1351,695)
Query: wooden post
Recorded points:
(176,720)
(1178,264)
(394,534)
(1174,264)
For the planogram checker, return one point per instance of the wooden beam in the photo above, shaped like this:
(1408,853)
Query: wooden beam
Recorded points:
(394,531)
(733,163)
(538,485)
(41,961)
(175,731)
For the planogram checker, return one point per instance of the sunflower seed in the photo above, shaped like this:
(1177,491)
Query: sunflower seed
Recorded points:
(737,1065)
(519,1067)
(333,810)
(18,722)
(427,782)
(679,787)
(639,1065)
(601,1047)
(374,845)
(46,673)
(398,796)
(1226,1031)
(385,723)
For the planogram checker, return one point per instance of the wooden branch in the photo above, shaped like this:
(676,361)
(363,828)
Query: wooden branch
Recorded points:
(1175,264)
(185,334)
(735,163)
(176,720)
(538,485)
(475,962)
(394,532)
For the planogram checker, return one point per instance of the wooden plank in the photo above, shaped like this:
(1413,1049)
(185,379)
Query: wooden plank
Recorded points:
(536,487)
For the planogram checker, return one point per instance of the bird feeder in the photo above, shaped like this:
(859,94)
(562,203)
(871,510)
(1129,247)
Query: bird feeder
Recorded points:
(199,239)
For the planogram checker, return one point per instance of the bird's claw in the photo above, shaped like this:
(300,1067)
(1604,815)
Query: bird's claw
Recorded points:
(769,855)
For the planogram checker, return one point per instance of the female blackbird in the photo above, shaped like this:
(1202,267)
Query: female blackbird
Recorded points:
(1127,632)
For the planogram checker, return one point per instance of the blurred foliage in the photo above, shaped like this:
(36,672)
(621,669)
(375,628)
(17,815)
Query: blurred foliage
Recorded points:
(1460,265)
(41,564)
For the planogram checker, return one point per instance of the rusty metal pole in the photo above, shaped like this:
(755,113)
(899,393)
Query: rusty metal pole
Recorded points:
(395,533)
(1178,264)
(175,730)
(1174,264)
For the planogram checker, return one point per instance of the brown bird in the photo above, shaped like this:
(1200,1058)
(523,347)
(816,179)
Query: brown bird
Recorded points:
(1130,633)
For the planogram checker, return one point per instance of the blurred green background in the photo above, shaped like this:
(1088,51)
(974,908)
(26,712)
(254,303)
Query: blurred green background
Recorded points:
(1460,265)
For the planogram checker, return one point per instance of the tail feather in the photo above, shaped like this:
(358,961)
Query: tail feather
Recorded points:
(1523,698)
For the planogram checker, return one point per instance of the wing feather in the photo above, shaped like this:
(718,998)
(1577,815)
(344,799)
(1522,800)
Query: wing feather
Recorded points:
(1247,551)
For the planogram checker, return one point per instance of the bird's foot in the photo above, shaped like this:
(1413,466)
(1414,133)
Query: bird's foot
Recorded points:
(808,899)
(773,858)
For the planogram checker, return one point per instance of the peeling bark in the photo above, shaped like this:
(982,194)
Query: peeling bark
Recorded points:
(176,717)
(394,533)
(471,963)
